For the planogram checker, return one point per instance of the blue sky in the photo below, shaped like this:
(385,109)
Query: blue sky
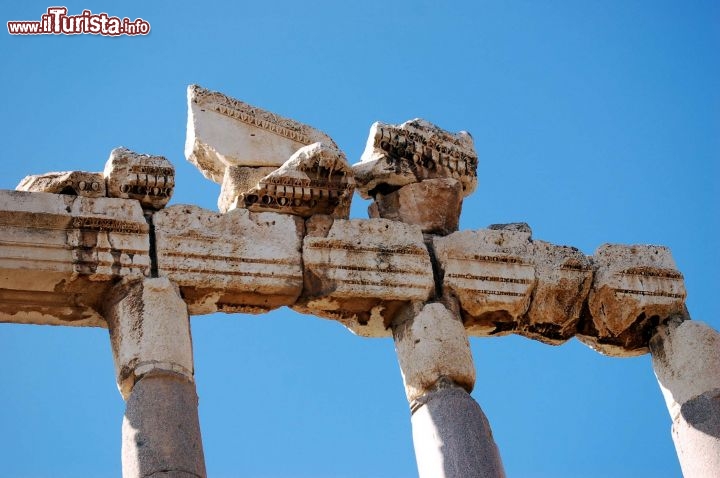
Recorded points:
(594,122)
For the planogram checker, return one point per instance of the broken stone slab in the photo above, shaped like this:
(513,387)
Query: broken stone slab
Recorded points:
(145,178)
(59,254)
(238,180)
(491,273)
(75,183)
(315,180)
(431,343)
(563,275)
(398,155)
(363,271)
(432,204)
(149,331)
(224,132)
(235,262)
(635,288)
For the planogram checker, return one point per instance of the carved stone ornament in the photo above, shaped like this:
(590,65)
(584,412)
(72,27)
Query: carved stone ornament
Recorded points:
(148,179)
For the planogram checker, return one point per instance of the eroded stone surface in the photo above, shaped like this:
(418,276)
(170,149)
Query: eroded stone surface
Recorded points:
(397,155)
(635,288)
(161,431)
(431,343)
(563,275)
(491,273)
(149,331)
(432,204)
(234,262)
(237,181)
(60,253)
(223,131)
(75,183)
(315,180)
(686,359)
(148,179)
(363,271)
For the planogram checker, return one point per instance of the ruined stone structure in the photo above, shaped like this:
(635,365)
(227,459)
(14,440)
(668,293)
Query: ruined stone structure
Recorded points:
(102,249)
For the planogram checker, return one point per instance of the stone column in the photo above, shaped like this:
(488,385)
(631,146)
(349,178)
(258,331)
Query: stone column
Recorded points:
(451,434)
(150,334)
(686,359)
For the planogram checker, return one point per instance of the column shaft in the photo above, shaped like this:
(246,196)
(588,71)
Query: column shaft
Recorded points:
(686,359)
(451,434)
(150,335)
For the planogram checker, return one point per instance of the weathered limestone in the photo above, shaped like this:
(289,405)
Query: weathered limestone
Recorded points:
(315,180)
(563,277)
(491,272)
(238,180)
(432,204)
(235,262)
(416,150)
(451,435)
(635,288)
(686,359)
(59,255)
(431,343)
(149,331)
(148,179)
(223,132)
(360,272)
(150,335)
(75,183)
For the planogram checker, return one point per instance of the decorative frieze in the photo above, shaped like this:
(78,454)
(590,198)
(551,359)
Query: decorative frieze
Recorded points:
(223,132)
(75,183)
(411,152)
(148,179)
(58,254)
(315,180)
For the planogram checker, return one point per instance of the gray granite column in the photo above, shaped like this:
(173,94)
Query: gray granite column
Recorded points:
(150,334)
(686,359)
(451,434)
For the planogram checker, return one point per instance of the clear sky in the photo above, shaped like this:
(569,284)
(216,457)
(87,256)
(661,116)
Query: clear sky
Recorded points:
(594,122)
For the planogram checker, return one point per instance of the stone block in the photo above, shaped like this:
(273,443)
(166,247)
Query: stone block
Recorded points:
(59,254)
(235,262)
(431,343)
(74,183)
(145,178)
(492,274)
(432,204)
(397,155)
(223,132)
(363,271)
(635,288)
(563,276)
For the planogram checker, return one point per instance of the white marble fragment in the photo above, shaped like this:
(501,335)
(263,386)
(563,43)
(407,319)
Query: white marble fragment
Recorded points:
(223,132)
